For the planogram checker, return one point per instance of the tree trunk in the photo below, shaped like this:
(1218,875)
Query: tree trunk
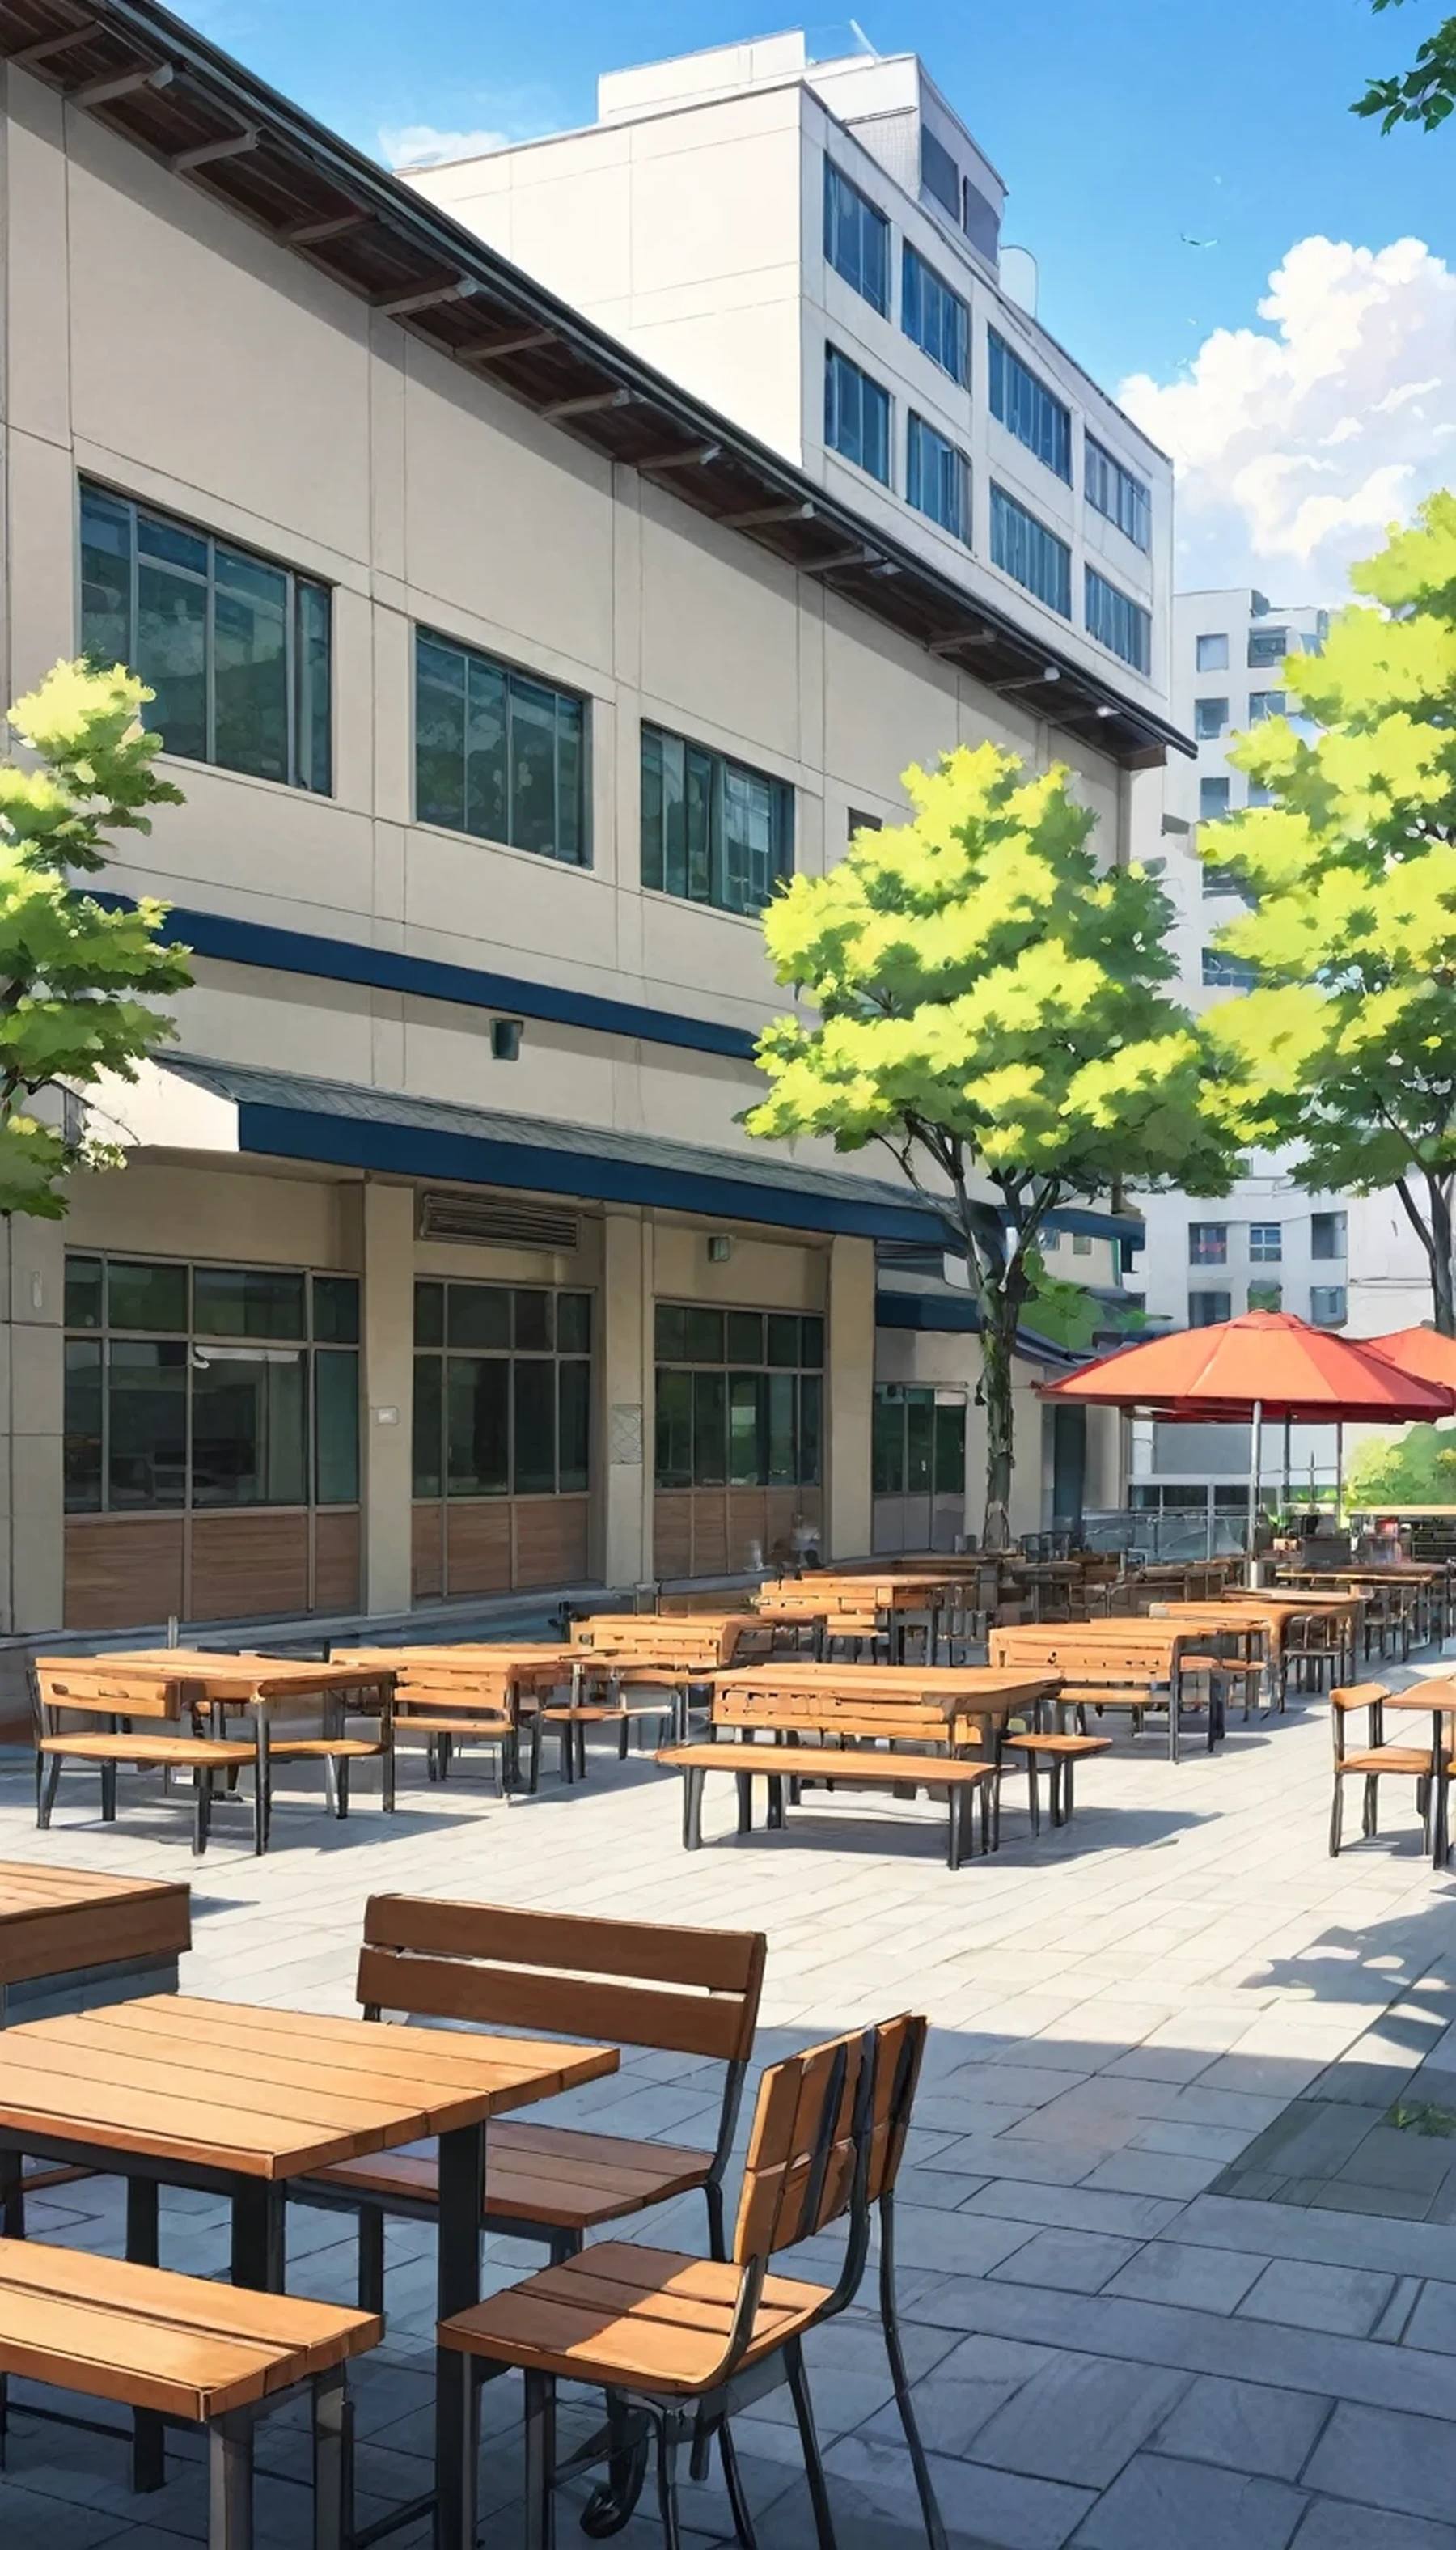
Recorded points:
(998,1339)
(1443,1296)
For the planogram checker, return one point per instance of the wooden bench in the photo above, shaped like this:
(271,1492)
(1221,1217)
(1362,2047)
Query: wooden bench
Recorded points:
(145,1724)
(623,1655)
(1131,1666)
(635,1983)
(796,1763)
(202,2354)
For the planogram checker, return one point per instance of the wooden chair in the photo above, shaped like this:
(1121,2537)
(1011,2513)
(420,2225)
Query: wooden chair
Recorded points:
(206,2354)
(1316,1648)
(680,2344)
(140,1720)
(631,1983)
(1374,1761)
(1057,1753)
(451,1702)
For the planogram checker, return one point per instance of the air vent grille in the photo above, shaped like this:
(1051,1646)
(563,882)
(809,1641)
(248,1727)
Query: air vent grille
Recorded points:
(496,1220)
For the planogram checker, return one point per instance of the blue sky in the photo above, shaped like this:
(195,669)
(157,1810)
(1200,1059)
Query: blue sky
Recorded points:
(1118,124)
(1124,128)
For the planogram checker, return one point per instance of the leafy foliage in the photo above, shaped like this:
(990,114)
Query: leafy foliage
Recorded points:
(1426,93)
(1417,1469)
(991,1009)
(1347,1047)
(77,982)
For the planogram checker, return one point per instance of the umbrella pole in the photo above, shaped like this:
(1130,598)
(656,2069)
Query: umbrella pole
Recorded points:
(1339,1475)
(1288,1428)
(1256,1456)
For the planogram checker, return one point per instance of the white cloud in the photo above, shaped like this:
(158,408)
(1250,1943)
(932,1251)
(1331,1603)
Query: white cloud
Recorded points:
(1297,444)
(424,146)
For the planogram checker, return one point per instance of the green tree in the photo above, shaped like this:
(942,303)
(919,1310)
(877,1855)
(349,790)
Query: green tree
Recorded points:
(77,982)
(1419,1469)
(1426,93)
(1347,1045)
(990,1008)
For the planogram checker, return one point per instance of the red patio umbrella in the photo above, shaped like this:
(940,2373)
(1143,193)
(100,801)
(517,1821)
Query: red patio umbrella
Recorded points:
(1424,1351)
(1265,1364)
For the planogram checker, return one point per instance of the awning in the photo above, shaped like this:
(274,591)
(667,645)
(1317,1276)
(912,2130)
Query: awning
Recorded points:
(190,1104)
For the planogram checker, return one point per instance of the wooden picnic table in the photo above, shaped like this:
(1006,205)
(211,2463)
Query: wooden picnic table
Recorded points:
(1105,1661)
(66,1933)
(243,1681)
(238,2101)
(1425,1588)
(889,1701)
(1273,1615)
(820,1599)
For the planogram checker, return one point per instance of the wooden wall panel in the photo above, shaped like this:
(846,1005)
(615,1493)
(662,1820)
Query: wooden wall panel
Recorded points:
(122,1571)
(672,1534)
(249,1561)
(747,1534)
(710,1532)
(337,1558)
(427,1556)
(477,1545)
(550,1540)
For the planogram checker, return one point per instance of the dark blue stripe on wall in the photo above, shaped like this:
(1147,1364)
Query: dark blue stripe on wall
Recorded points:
(384,969)
(415,1151)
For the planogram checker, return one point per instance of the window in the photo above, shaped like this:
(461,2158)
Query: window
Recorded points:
(236,647)
(496,754)
(1210,718)
(1266,1243)
(1258,794)
(713,830)
(1266,646)
(1327,1307)
(1212,800)
(1081,1243)
(860,821)
(1114,491)
(1218,881)
(740,1398)
(1265,703)
(1212,654)
(1326,1235)
(1225,973)
(1207,1310)
(1028,408)
(1117,622)
(202,1387)
(856,239)
(1029,553)
(939,174)
(933,317)
(1266,1297)
(1207,1243)
(856,416)
(503,1391)
(919,1445)
(937,479)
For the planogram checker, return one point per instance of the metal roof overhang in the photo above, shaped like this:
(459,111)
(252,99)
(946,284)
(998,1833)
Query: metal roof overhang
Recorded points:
(202,114)
(185,1102)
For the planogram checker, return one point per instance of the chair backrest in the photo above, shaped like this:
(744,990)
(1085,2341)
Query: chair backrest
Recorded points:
(829,2126)
(566,1973)
(484,1694)
(100,1691)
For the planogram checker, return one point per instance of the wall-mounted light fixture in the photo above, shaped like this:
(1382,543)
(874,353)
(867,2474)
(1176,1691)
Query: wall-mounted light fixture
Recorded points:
(720,1247)
(504,1039)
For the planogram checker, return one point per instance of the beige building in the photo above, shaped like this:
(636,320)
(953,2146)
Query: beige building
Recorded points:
(503,680)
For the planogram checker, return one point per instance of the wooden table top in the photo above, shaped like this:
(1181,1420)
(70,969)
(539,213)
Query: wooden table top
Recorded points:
(61,1920)
(1406,1572)
(969,1686)
(265,2094)
(242,1677)
(1244,1597)
(1029,1638)
(1432,1695)
(482,1655)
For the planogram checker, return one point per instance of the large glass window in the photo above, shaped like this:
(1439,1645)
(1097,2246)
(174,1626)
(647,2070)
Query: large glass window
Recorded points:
(1029,553)
(498,753)
(234,646)
(856,239)
(1266,1243)
(1119,622)
(740,1398)
(939,174)
(856,416)
(1027,407)
(1212,800)
(919,1445)
(503,1379)
(1327,1306)
(1268,646)
(1212,653)
(209,1386)
(1224,973)
(1210,718)
(1326,1235)
(1208,1310)
(1265,703)
(933,317)
(1114,492)
(1207,1243)
(937,479)
(712,830)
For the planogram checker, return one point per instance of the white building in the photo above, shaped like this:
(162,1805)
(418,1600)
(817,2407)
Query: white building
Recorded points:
(443,1265)
(812,248)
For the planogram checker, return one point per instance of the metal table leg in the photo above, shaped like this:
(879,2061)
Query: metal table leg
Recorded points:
(149,2435)
(258,2250)
(457,2402)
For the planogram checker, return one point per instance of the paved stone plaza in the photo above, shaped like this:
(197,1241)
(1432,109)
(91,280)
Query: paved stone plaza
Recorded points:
(1108,2350)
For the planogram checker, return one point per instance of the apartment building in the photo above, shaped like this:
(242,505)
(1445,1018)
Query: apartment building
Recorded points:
(813,246)
(1268,1245)
(503,680)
